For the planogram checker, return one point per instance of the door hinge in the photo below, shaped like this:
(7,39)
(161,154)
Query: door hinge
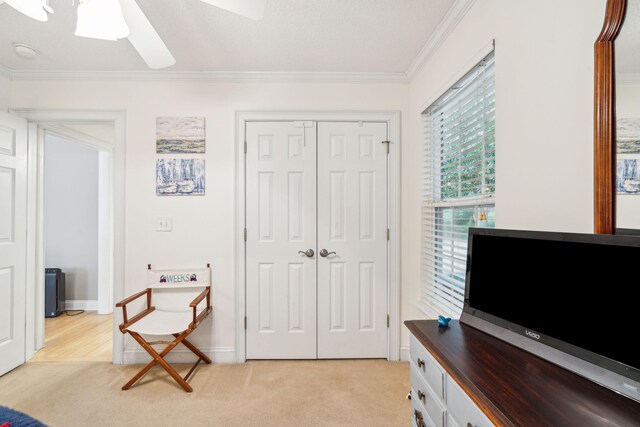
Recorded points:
(388,234)
(387,321)
(387,143)
(245,234)
(245,323)
(245,147)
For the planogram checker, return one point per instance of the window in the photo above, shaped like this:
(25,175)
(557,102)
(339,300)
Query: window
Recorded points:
(458,184)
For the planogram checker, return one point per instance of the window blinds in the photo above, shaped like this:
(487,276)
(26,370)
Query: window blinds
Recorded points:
(458,183)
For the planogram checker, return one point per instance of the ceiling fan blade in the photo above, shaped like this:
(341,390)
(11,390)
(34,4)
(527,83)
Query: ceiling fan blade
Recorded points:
(32,8)
(144,37)
(253,9)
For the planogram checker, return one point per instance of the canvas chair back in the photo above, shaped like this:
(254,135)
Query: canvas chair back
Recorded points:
(173,290)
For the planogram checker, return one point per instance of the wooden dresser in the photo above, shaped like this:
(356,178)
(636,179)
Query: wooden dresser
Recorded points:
(461,377)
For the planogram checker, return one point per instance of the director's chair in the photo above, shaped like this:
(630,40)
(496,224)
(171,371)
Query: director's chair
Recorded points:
(172,314)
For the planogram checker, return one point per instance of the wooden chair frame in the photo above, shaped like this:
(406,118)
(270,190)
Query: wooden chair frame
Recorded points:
(158,358)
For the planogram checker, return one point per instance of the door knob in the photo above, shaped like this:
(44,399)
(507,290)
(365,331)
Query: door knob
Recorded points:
(325,253)
(308,252)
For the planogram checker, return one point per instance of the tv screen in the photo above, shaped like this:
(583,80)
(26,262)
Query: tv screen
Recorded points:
(575,292)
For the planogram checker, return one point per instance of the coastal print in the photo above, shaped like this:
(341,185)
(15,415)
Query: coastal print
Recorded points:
(628,176)
(179,177)
(180,135)
(628,136)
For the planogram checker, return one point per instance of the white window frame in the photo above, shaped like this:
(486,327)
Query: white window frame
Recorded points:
(441,293)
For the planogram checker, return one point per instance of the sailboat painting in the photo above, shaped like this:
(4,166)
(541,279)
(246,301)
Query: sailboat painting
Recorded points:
(628,176)
(184,135)
(628,136)
(180,177)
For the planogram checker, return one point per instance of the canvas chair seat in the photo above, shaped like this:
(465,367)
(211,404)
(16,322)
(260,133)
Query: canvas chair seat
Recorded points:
(160,322)
(175,316)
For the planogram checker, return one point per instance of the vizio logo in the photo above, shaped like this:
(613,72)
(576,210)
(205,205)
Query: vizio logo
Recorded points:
(532,335)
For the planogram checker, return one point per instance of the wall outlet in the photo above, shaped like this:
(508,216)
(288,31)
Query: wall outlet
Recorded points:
(163,223)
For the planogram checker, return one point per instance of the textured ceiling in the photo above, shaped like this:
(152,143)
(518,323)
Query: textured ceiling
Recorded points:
(628,41)
(295,35)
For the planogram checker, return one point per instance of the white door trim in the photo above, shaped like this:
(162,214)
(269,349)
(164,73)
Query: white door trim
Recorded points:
(392,118)
(42,121)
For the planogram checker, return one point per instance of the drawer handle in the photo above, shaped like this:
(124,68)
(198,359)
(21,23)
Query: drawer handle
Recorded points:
(420,363)
(422,396)
(419,420)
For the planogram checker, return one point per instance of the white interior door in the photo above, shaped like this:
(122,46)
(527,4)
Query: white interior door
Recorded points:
(352,222)
(13,240)
(280,221)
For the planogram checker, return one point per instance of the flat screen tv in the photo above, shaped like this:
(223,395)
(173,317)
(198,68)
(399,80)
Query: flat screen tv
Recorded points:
(573,299)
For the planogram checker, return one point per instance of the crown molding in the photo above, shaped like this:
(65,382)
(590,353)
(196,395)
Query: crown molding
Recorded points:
(455,14)
(212,76)
(628,78)
(4,71)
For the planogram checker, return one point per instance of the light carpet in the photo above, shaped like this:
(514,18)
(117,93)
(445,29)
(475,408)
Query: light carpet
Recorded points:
(257,393)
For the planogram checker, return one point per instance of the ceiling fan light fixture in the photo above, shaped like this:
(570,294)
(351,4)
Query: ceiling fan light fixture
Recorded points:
(101,19)
(32,8)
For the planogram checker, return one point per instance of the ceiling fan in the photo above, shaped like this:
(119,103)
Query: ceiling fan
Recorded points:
(118,19)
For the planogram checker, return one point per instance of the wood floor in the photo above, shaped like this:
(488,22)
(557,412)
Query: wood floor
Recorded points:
(86,337)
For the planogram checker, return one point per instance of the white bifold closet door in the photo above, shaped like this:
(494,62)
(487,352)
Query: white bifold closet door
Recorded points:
(352,222)
(321,189)
(281,221)
(13,240)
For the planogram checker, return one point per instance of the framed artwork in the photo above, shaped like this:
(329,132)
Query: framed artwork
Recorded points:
(180,135)
(628,175)
(180,177)
(628,136)
(628,156)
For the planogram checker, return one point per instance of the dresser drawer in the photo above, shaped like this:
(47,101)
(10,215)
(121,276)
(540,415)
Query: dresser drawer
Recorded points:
(427,366)
(419,415)
(426,397)
(462,409)
(451,422)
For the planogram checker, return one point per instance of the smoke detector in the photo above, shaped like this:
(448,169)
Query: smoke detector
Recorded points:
(25,51)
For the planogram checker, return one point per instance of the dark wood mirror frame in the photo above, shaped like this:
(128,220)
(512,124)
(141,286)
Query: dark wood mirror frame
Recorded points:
(604,120)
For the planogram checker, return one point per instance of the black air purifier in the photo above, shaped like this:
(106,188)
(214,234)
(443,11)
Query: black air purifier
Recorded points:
(53,292)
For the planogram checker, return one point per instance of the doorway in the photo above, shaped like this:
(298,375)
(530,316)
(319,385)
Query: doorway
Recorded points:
(31,125)
(320,264)
(78,323)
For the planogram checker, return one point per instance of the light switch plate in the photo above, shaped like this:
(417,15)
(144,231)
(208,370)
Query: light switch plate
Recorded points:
(164,223)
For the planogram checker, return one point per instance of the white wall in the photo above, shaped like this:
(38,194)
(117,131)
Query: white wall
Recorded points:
(102,132)
(627,106)
(544,117)
(544,98)
(71,215)
(203,226)
(5,92)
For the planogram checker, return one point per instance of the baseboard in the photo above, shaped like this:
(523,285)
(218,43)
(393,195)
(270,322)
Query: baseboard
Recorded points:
(81,304)
(404,353)
(222,355)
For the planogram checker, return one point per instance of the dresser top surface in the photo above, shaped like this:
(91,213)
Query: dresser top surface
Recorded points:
(514,387)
